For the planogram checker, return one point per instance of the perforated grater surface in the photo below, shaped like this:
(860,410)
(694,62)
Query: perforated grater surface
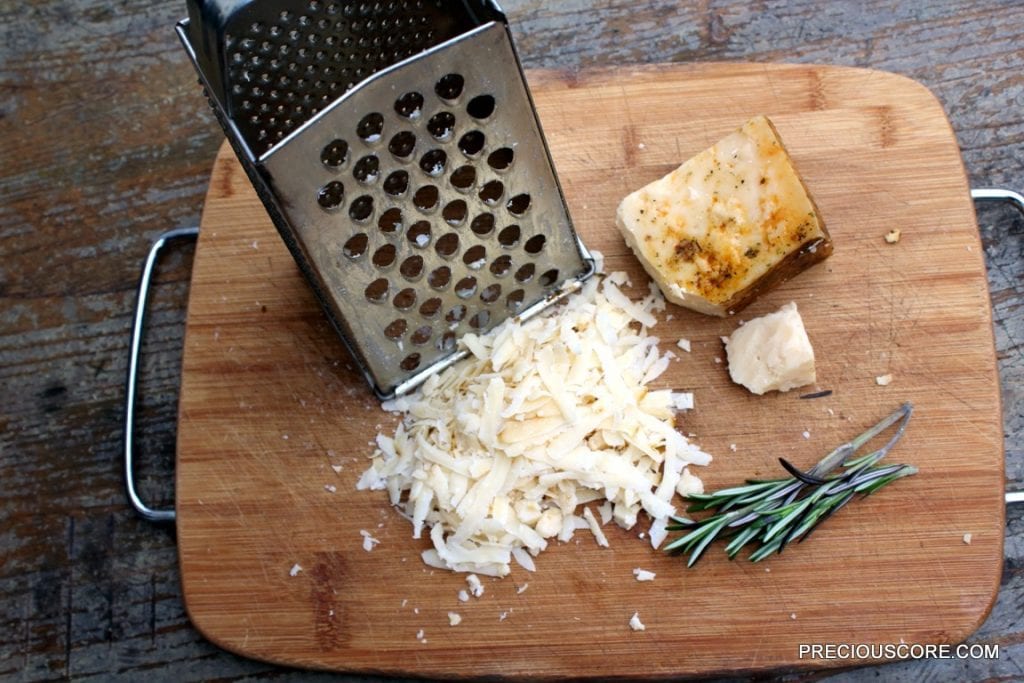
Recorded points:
(396,148)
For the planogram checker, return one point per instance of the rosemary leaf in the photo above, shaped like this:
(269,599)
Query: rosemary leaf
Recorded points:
(772,513)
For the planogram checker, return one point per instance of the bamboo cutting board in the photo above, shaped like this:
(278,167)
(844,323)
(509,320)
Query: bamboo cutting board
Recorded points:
(270,402)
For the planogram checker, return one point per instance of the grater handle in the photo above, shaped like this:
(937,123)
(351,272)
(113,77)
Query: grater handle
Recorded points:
(144,511)
(1015,199)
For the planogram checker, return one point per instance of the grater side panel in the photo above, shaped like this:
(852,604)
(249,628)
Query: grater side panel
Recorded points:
(427,204)
(275,65)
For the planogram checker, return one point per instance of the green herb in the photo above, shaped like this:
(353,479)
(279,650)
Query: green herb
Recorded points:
(770,514)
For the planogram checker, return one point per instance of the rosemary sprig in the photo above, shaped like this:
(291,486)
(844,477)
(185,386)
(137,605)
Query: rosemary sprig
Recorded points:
(770,514)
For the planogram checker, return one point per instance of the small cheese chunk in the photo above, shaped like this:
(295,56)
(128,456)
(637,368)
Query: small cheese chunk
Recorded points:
(772,353)
(643,574)
(635,623)
(727,225)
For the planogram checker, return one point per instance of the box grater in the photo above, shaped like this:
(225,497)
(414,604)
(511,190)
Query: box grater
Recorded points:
(396,148)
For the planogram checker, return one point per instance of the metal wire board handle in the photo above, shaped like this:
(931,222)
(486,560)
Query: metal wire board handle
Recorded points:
(146,512)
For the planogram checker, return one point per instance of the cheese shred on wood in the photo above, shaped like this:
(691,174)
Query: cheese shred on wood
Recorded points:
(496,454)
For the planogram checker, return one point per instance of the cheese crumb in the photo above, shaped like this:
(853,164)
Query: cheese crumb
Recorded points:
(684,344)
(595,528)
(294,571)
(883,380)
(330,488)
(475,587)
(967,539)
(522,589)
(463,596)
(893,236)
(643,574)
(502,616)
(806,434)
(454,619)
(732,447)
(792,615)
(635,623)
(368,540)
(682,400)
(337,468)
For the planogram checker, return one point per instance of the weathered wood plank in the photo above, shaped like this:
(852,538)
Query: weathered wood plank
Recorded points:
(107,142)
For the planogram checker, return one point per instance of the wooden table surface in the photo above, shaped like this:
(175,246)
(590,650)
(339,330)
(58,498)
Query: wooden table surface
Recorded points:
(107,142)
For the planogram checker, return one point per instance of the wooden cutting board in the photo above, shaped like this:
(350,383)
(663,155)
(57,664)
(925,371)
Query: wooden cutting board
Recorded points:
(270,402)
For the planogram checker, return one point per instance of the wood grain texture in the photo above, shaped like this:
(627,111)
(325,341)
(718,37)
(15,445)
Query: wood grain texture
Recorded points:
(107,142)
(270,401)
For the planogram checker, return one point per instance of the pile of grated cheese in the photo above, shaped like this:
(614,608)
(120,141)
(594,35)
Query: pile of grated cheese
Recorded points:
(495,454)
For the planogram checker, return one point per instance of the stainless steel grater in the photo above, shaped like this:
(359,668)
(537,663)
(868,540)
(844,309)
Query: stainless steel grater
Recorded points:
(397,150)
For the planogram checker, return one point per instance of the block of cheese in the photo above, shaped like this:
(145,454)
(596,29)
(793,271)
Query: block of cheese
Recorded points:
(771,353)
(727,225)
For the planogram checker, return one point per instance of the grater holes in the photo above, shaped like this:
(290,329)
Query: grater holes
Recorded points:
(501,159)
(535,244)
(490,294)
(433,162)
(481,106)
(396,329)
(501,265)
(419,234)
(463,178)
(454,212)
(356,246)
(514,301)
(549,278)
(396,183)
(390,221)
(430,308)
(412,267)
(466,287)
(405,299)
(440,277)
(377,291)
(472,143)
(483,224)
(367,169)
(410,362)
(402,144)
(441,125)
(480,320)
(331,195)
(509,237)
(456,315)
(450,86)
(409,105)
(370,128)
(518,205)
(475,257)
(422,335)
(491,192)
(334,154)
(446,342)
(426,198)
(448,245)
(385,256)
(525,273)
(361,208)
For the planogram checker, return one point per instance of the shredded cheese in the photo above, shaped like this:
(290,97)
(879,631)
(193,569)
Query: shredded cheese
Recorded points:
(495,454)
